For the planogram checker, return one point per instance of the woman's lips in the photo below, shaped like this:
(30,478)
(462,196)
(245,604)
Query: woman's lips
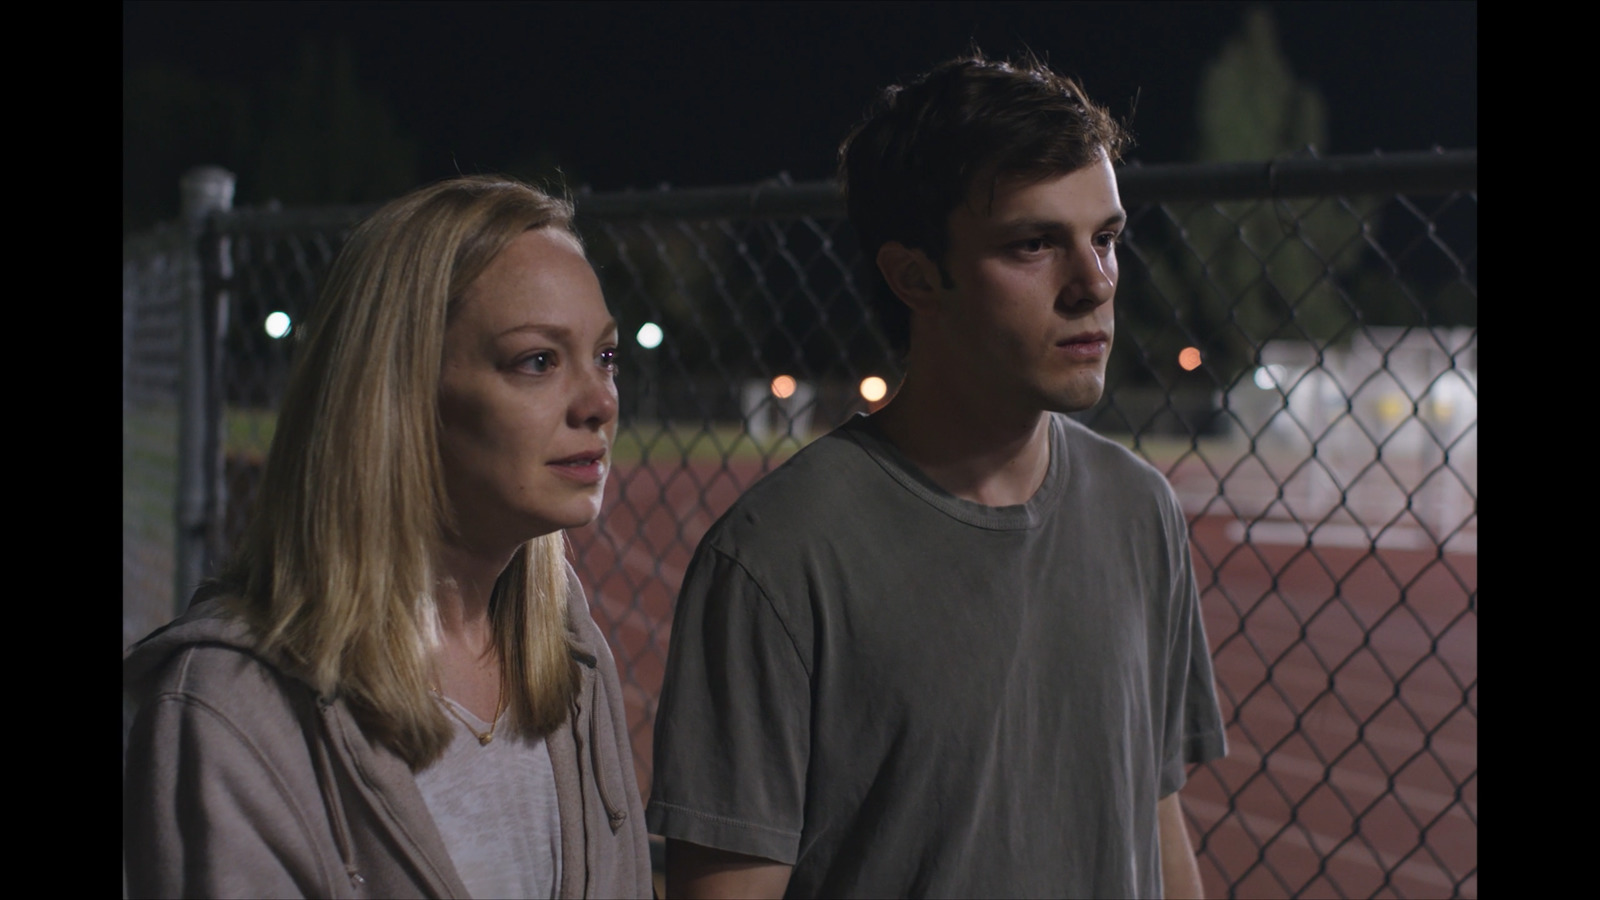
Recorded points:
(583,468)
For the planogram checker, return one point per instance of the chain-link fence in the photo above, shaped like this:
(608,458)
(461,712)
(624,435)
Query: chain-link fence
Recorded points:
(1296,349)
(158,270)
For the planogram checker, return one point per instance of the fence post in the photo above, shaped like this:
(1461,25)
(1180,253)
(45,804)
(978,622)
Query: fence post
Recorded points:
(205,190)
(128,318)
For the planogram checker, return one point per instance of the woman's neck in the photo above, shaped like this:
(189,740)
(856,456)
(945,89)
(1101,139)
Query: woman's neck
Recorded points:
(467,662)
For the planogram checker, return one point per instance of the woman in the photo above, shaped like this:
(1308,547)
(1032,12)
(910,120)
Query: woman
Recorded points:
(395,688)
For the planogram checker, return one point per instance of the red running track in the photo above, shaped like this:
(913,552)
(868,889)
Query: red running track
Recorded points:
(1348,678)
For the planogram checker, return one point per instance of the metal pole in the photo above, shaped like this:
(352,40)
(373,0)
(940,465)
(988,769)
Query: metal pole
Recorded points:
(205,190)
(216,273)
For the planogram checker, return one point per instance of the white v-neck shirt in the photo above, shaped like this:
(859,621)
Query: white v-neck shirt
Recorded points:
(495,807)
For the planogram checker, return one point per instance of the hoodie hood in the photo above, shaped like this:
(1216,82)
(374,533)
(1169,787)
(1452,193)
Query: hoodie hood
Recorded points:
(206,622)
(209,622)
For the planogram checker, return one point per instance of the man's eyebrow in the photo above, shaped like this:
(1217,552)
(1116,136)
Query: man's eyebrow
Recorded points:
(1031,225)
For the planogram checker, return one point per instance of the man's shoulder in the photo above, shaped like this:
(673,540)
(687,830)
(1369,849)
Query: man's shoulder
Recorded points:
(1103,449)
(806,495)
(1104,456)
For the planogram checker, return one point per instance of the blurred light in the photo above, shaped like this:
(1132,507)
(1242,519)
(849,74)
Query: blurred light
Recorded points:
(873,388)
(1270,376)
(278,325)
(649,336)
(1391,407)
(783,387)
(1189,359)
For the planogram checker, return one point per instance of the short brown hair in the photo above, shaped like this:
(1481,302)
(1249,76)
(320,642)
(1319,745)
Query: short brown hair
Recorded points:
(915,155)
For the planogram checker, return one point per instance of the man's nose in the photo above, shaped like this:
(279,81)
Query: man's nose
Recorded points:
(1089,279)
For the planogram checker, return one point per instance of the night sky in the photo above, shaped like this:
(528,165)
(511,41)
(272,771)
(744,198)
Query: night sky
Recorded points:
(634,95)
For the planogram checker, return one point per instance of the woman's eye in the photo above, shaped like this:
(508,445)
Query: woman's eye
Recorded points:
(608,359)
(543,361)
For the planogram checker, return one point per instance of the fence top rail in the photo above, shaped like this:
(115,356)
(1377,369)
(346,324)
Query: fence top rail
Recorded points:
(1421,173)
(252,220)
(1416,173)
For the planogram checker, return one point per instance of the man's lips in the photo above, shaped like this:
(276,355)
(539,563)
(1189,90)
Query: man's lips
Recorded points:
(1091,337)
(1085,346)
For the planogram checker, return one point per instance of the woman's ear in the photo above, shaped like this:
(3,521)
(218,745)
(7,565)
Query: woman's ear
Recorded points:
(911,275)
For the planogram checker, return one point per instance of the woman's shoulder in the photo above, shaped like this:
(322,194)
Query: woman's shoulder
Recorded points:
(208,656)
(220,743)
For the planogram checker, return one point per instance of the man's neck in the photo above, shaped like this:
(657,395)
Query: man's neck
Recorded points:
(984,452)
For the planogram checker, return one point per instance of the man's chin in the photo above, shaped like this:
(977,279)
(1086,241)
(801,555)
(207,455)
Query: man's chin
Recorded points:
(1077,398)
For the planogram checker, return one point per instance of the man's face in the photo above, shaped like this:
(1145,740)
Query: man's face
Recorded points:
(1029,321)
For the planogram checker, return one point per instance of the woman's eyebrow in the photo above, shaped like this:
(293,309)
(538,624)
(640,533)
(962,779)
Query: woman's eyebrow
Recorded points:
(557,332)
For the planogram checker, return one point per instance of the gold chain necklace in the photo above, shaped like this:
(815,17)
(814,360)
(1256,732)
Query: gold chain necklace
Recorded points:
(500,706)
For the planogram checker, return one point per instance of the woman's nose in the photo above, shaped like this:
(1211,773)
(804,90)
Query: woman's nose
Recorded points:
(595,402)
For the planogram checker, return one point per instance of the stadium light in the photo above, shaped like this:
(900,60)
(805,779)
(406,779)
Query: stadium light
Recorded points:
(649,336)
(873,388)
(1270,376)
(783,387)
(1189,359)
(278,324)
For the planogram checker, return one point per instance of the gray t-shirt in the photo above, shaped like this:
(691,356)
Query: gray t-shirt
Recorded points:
(902,693)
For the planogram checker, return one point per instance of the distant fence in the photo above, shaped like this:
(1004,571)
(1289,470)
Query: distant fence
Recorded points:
(1324,447)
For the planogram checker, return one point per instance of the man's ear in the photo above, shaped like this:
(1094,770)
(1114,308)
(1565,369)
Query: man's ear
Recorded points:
(912,276)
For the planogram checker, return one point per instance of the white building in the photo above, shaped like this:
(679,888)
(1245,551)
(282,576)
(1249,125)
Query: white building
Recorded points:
(1381,432)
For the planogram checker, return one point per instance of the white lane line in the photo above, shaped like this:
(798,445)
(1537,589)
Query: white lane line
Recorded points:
(1360,789)
(1399,537)
(641,562)
(1320,843)
(1429,702)
(1398,739)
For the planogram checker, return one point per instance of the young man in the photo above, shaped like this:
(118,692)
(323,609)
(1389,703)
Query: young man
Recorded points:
(953,648)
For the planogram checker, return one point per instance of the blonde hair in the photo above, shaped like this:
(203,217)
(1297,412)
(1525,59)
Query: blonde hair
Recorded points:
(334,571)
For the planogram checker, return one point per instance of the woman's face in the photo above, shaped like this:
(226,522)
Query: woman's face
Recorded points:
(527,396)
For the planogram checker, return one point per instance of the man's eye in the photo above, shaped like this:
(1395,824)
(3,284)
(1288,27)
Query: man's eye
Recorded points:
(608,359)
(1033,245)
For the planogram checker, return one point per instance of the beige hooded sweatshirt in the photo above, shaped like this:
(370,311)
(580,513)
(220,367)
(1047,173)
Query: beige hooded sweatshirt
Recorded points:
(239,781)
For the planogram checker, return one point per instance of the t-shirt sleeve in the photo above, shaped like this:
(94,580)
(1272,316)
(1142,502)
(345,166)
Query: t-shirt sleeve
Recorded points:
(1193,728)
(732,733)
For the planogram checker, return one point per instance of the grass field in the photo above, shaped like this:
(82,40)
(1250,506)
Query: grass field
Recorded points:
(249,435)
(149,479)
(149,485)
